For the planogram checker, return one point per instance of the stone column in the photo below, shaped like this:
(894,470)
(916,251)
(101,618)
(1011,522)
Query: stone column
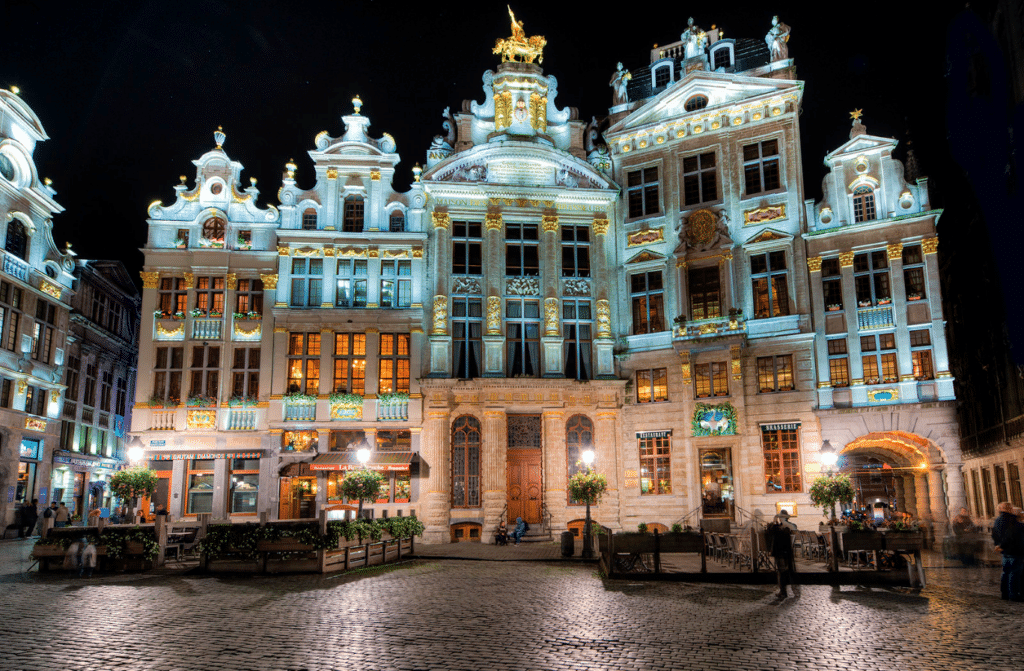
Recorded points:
(492,290)
(956,487)
(440,336)
(435,491)
(604,336)
(551,340)
(901,501)
(493,480)
(555,468)
(818,319)
(924,512)
(683,305)
(940,518)
(375,203)
(909,494)
(608,461)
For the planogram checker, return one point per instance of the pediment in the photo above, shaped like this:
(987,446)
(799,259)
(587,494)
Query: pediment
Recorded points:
(863,144)
(767,235)
(519,164)
(722,91)
(646,256)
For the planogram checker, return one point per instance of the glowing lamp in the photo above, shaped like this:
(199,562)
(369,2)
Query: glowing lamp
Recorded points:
(588,457)
(363,456)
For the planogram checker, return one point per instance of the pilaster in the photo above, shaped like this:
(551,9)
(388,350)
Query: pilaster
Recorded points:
(494,482)
(555,468)
(435,498)
(940,518)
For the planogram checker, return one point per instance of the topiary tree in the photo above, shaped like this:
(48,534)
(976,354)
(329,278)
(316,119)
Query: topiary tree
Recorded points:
(363,485)
(828,490)
(134,483)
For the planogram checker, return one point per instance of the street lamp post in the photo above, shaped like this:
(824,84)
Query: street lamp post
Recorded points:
(363,456)
(588,551)
(828,457)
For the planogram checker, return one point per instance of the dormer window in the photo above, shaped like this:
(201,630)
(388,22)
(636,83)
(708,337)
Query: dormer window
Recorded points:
(309,219)
(662,76)
(696,103)
(17,239)
(721,57)
(353,218)
(863,204)
(396,224)
(213,229)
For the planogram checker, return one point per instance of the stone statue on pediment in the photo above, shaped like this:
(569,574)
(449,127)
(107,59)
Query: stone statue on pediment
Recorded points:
(694,40)
(777,40)
(620,78)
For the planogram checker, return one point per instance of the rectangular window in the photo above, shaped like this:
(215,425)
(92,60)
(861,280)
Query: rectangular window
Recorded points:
(864,204)
(245,486)
(575,251)
(986,490)
(838,363)
(871,278)
(122,396)
(913,272)
(43,331)
(652,385)
(394,363)
(781,458)
(577,335)
(396,222)
(921,355)
(522,337)
(199,497)
(700,183)
(304,363)
(1015,493)
(775,373)
(90,385)
(978,512)
(172,296)
(761,166)
(182,238)
(395,284)
(467,258)
(878,358)
(307,282)
(467,337)
(1000,473)
(249,297)
(210,295)
(10,314)
(711,379)
(167,374)
(769,276)
(352,219)
(832,284)
(351,283)
(6,393)
(106,389)
(67,437)
(648,300)
(705,293)
(204,371)
(350,363)
(655,465)
(245,373)
(521,253)
(36,400)
(642,192)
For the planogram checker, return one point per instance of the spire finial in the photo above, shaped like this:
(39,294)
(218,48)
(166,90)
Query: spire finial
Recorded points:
(357,103)
(219,136)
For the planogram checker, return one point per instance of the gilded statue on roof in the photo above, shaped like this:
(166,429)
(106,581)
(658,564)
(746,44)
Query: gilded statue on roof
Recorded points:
(527,49)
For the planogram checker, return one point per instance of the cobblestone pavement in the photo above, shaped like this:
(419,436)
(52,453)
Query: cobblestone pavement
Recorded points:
(445,614)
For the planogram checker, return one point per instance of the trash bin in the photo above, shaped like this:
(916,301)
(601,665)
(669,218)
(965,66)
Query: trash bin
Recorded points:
(568,544)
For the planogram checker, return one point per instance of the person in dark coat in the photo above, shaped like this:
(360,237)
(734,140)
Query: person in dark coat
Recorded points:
(519,530)
(1008,535)
(780,543)
(29,517)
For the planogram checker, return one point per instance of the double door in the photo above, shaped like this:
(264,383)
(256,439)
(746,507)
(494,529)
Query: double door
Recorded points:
(524,485)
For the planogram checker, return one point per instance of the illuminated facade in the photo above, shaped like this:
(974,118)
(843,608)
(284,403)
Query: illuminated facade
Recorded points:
(655,287)
(35,294)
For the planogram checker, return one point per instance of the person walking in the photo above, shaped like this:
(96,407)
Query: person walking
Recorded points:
(29,517)
(780,543)
(62,516)
(1008,535)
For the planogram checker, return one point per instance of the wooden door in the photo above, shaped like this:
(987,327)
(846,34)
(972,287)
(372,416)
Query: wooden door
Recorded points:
(524,486)
(285,510)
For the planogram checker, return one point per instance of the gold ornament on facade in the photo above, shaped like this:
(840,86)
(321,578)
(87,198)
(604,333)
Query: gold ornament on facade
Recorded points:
(375,175)
(149,280)
(250,334)
(167,334)
(269,281)
(328,251)
(814,264)
(22,386)
(649,236)
(493,221)
(549,223)
(440,315)
(604,319)
(846,260)
(894,251)
(231,281)
(493,315)
(519,45)
(190,280)
(201,419)
(332,173)
(551,317)
(441,220)
(417,252)
(502,110)
(764,214)
(280,329)
(538,112)
(50,288)
(54,395)
(282,250)
(600,226)
(737,370)
(930,245)
(701,227)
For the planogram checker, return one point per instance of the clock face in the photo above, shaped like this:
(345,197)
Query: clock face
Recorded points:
(6,168)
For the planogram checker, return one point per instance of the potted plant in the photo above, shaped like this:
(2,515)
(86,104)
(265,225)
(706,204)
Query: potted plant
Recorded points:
(864,304)
(216,313)
(884,301)
(642,528)
(242,401)
(197,312)
(200,401)
(156,401)
(243,243)
(179,243)
(828,490)
(834,307)
(363,485)
(133,483)
(180,314)
(914,296)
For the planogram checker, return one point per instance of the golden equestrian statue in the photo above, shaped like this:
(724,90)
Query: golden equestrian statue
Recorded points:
(527,48)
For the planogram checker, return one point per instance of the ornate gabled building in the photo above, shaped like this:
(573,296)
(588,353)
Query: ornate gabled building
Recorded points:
(36,283)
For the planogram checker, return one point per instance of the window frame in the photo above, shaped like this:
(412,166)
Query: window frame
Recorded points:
(782,458)
(309,283)
(249,296)
(774,290)
(774,361)
(353,213)
(701,178)
(192,472)
(652,385)
(246,475)
(643,192)
(754,169)
(309,220)
(883,358)
(575,251)
(467,248)
(915,273)
(349,359)
(245,372)
(579,437)
(351,280)
(876,278)
(716,374)
(172,296)
(522,337)
(167,379)
(577,339)
(705,297)
(44,331)
(656,454)
(210,294)
(522,250)
(392,272)
(838,361)
(645,319)
(862,202)
(204,377)
(393,363)
(304,352)
(12,304)
(466,470)
(467,337)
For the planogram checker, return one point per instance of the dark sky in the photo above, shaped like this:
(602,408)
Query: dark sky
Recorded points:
(130,93)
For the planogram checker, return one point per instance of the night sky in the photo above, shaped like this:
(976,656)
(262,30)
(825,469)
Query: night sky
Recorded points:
(130,93)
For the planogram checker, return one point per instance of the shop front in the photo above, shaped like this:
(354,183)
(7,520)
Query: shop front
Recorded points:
(69,481)
(29,456)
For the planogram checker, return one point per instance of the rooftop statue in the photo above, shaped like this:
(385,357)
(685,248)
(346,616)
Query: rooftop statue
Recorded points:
(618,83)
(777,39)
(519,45)
(694,40)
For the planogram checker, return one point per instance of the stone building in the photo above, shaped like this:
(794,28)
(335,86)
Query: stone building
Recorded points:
(36,283)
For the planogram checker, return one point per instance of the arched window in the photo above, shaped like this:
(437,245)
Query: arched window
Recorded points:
(579,437)
(213,229)
(696,103)
(396,224)
(863,204)
(6,168)
(353,219)
(466,462)
(309,219)
(17,239)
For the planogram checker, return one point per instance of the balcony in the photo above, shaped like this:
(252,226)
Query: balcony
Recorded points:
(204,328)
(15,267)
(241,419)
(393,408)
(871,318)
(709,328)
(299,411)
(162,420)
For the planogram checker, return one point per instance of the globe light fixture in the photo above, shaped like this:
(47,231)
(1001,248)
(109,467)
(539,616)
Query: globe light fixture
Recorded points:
(828,456)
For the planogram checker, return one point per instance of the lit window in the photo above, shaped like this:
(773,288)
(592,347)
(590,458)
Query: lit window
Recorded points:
(652,385)
(579,437)
(304,363)
(655,464)
(775,373)
(711,379)
(878,357)
(871,278)
(921,354)
(769,277)
(350,363)
(781,448)
(648,302)
(838,363)
(466,462)
(394,363)
(705,296)
(761,166)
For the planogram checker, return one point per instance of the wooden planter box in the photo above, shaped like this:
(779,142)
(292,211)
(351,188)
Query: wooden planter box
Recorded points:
(134,548)
(681,542)
(869,541)
(904,541)
(283,545)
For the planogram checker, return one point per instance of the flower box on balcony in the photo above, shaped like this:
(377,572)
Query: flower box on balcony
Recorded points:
(864,304)
(884,301)
(914,297)
(835,308)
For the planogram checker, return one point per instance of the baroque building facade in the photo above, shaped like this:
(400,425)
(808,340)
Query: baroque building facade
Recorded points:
(655,287)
